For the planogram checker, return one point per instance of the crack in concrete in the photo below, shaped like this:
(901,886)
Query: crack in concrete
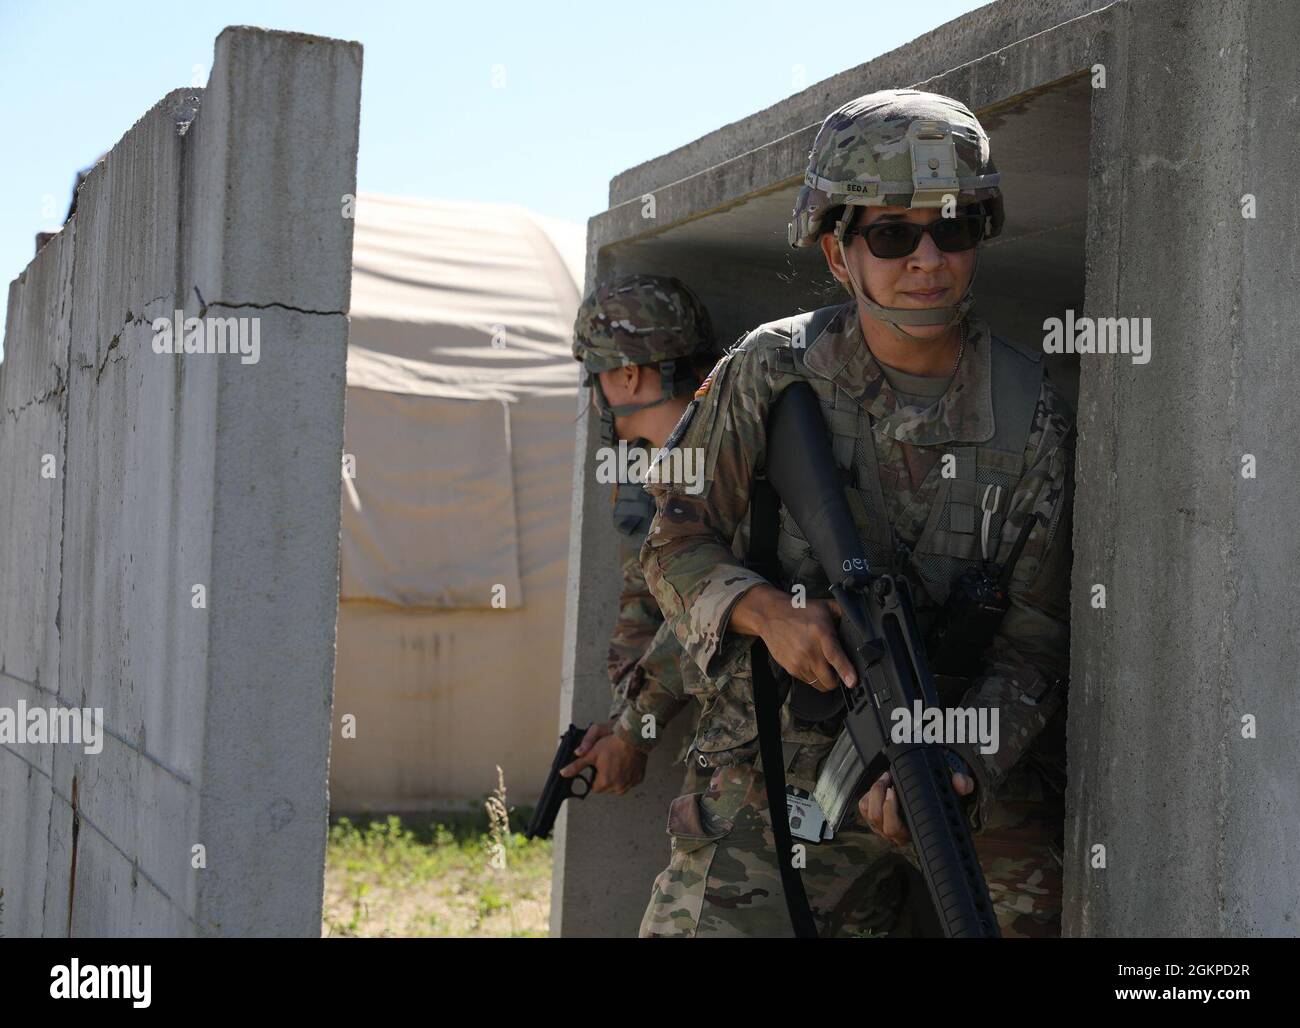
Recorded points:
(129,320)
(59,389)
(203,309)
(72,874)
(70,298)
(112,345)
(45,397)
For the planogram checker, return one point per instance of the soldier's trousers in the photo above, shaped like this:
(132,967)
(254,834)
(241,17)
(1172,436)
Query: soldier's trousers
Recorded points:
(722,878)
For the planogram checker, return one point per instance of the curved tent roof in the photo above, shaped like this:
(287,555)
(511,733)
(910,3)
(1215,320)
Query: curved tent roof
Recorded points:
(462,389)
(496,285)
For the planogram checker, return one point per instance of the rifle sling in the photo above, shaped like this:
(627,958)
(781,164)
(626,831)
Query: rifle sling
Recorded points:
(763,527)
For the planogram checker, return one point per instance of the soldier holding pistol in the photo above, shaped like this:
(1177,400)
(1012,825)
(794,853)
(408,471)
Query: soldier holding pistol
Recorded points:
(643,341)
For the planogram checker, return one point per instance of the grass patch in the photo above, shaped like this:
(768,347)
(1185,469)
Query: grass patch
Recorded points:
(432,876)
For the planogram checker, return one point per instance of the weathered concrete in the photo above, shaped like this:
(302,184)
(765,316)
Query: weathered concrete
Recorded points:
(172,472)
(1200,824)
(1127,195)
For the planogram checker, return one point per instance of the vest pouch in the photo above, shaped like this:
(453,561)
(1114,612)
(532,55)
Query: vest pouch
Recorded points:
(951,542)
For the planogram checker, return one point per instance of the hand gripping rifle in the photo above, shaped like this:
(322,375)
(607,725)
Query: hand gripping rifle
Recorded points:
(879,633)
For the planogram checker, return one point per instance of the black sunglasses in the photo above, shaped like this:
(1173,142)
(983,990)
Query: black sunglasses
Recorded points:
(888,239)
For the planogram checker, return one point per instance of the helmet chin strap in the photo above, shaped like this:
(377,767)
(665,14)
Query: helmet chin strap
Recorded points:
(609,411)
(894,317)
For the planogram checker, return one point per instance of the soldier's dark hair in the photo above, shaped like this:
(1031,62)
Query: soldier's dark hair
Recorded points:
(828,226)
(690,371)
(833,215)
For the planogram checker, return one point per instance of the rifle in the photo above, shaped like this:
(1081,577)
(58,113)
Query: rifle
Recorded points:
(879,633)
(557,788)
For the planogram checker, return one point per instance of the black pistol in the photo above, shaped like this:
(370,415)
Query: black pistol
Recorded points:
(880,635)
(557,788)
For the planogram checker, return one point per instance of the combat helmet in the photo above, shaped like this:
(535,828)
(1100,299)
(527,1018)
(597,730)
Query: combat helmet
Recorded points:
(897,147)
(642,319)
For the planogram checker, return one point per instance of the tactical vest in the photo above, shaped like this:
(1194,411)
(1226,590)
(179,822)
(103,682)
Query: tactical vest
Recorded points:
(950,542)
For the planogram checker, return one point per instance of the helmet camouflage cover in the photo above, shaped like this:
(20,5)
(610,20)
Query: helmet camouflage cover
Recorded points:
(640,319)
(896,147)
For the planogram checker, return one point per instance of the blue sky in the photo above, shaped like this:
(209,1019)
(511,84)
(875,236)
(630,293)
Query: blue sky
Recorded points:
(591,88)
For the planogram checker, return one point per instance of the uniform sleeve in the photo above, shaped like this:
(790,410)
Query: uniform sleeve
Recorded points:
(639,618)
(687,555)
(1027,664)
(655,693)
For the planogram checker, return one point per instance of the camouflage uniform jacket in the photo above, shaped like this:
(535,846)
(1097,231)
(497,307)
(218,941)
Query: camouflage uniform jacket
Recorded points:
(691,553)
(645,661)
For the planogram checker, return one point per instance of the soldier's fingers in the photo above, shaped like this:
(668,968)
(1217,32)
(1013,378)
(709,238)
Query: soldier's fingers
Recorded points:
(617,779)
(603,783)
(962,784)
(864,808)
(894,828)
(875,800)
(834,654)
(819,674)
(594,731)
(880,791)
(569,770)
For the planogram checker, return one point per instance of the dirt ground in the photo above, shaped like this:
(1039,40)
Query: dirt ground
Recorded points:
(394,879)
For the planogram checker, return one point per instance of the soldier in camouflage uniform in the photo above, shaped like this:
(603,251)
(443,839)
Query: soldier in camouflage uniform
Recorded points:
(899,191)
(643,322)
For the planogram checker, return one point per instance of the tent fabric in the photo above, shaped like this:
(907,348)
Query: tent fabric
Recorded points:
(444,696)
(464,301)
(461,322)
(429,520)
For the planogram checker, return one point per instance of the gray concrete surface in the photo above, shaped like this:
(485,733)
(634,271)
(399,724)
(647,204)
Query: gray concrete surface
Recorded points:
(1122,201)
(1200,825)
(176,471)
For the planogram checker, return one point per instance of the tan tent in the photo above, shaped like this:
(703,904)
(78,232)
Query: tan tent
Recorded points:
(458,476)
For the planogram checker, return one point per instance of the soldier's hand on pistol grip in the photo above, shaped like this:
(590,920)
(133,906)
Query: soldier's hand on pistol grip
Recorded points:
(879,807)
(803,640)
(619,767)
